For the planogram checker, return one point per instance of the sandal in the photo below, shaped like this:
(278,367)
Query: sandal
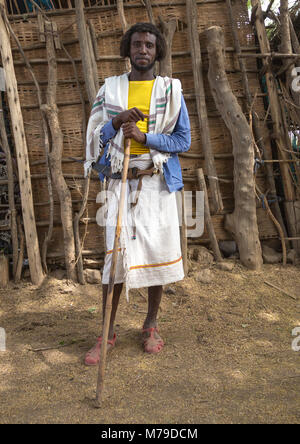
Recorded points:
(93,356)
(152,344)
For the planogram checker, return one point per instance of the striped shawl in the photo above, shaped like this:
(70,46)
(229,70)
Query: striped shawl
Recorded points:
(112,99)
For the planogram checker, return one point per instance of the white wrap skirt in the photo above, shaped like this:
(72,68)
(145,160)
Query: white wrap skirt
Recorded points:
(149,251)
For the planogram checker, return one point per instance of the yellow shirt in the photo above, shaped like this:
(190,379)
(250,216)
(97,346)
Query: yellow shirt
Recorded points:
(139,96)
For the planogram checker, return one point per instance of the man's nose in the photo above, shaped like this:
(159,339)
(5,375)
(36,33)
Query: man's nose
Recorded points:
(143,49)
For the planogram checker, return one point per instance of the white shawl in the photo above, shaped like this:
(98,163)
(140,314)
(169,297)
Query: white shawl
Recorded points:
(112,99)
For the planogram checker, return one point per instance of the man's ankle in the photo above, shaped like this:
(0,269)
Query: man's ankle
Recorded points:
(150,323)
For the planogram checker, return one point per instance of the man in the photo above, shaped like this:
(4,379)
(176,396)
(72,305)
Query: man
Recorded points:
(151,112)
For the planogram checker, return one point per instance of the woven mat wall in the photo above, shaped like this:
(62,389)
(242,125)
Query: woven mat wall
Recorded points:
(107,24)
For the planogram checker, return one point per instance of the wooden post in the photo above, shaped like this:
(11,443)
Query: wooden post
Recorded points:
(88,57)
(4,271)
(207,217)
(149,11)
(77,218)
(168,30)
(244,216)
(124,24)
(21,251)
(55,157)
(85,52)
(93,57)
(184,244)
(46,141)
(275,110)
(11,189)
(294,38)
(263,145)
(32,244)
(192,20)
(286,48)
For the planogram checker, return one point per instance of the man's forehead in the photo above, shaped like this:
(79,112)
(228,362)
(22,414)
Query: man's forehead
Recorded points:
(143,36)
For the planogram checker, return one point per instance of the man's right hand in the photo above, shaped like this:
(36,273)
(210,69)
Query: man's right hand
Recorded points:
(131,115)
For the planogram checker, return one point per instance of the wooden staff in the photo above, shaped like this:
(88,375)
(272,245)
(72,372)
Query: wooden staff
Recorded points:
(103,350)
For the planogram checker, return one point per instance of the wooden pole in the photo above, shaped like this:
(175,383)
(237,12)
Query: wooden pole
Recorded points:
(103,350)
(85,52)
(207,217)
(286,47)
(275,110)
(21,251)
(192,20)
(168,30)
(55,157)
(264,146)
(149,9)
(46,135)
(4,270)
(32,244)
(294,38)
(77,218)
(184,246)
(244,216)
(89,65)
(11,189)
(124,24)
(276,223)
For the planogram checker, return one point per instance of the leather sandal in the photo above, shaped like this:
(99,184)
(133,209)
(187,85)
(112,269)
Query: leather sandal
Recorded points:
(152,344)
(93,355)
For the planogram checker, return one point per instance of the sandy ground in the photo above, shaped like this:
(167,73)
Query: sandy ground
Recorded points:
(228,356)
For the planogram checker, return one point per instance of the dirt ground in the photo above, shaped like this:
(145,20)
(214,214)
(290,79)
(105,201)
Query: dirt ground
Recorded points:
(228,356)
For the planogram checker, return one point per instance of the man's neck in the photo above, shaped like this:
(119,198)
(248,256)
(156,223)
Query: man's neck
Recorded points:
(140,76)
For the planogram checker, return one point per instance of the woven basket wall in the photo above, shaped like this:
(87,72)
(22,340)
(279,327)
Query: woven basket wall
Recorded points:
(105,21)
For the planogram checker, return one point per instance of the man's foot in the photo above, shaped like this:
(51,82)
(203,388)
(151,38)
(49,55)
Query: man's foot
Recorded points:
(93,355)
(153,343)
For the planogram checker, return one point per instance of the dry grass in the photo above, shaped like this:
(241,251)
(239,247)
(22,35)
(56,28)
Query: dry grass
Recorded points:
(227,358)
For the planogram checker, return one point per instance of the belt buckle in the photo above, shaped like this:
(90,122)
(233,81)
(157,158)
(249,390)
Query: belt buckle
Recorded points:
(155,171)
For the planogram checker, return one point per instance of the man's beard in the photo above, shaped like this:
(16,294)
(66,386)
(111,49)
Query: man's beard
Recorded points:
(142,68)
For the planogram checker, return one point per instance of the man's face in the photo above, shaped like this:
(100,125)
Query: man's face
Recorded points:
(143,51)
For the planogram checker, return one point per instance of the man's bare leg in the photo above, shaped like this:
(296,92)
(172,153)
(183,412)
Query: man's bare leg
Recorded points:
(93,355)
(154,299)
(154,343)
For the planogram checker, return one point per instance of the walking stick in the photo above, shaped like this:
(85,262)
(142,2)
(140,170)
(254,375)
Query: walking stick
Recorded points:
(110,290)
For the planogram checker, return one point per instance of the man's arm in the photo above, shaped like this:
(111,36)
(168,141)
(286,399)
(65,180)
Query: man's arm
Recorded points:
(107,132)
(111,128)
(179,140)
(131,115)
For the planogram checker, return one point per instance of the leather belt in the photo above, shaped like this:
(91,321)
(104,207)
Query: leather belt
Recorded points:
(135,173)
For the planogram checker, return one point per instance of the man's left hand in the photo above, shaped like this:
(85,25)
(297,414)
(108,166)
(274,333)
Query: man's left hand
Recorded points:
(131,131)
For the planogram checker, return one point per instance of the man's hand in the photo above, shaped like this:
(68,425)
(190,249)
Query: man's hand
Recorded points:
(131,131)
(131,115)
